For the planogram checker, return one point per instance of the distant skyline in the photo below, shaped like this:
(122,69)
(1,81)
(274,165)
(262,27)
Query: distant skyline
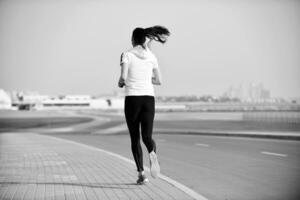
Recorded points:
(243,86)
(74,46)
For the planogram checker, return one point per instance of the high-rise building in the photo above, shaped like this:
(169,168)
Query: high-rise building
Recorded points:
(248,92)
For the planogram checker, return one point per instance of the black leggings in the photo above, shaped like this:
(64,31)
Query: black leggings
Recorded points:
(139,111)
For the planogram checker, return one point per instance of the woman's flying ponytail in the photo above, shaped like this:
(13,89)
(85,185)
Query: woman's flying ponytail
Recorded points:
(157,33)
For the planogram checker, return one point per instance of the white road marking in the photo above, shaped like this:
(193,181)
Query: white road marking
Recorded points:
(274,154)
(202,145)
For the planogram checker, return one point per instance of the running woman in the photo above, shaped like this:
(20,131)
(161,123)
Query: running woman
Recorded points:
(139,72)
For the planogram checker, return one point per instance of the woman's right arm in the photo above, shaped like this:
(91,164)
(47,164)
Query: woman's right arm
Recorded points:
(124,69)
(123,76)
(156,80)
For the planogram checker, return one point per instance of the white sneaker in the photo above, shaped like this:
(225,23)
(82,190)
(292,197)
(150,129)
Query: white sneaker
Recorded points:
(142,179)
(154,165)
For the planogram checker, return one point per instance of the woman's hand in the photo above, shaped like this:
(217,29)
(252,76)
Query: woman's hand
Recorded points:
(121,82)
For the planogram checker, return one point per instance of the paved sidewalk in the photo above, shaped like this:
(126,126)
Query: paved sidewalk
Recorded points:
(34,166)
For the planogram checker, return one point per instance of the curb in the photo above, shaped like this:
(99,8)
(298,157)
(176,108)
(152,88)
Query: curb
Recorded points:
(266,135)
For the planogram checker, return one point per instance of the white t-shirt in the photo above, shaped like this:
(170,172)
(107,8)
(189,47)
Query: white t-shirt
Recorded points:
(141,63)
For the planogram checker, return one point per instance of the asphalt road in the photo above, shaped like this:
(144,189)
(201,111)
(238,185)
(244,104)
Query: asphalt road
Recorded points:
(219,168)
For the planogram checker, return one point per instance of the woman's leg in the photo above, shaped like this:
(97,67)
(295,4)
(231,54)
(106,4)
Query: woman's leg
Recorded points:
(132,109)
(136,146)
(147,118)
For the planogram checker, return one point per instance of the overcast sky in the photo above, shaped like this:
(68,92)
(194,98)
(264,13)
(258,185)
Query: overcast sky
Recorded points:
(74,46)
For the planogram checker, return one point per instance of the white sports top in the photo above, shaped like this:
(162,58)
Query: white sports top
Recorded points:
(141,63)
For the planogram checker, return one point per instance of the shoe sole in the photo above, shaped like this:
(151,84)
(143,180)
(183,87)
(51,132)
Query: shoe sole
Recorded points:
(154,166)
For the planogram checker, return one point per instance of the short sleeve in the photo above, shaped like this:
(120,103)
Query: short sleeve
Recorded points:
(124,58)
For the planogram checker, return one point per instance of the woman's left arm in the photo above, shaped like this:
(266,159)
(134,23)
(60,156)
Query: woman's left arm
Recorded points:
(156,80)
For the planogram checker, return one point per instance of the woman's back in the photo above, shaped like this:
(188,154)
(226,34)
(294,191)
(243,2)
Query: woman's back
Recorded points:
(141,62)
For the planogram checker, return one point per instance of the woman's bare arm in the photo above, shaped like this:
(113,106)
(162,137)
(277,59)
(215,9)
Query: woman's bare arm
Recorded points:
(123,76)
(156,80)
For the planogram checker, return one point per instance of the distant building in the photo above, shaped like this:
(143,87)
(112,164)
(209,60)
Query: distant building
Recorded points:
(251,92)
(265,94)
(66,101)
(5,100)
(35,101)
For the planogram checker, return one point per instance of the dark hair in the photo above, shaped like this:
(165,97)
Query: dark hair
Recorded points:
(157,33)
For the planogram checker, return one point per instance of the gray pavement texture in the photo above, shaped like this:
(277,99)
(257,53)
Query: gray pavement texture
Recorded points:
(34,166)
